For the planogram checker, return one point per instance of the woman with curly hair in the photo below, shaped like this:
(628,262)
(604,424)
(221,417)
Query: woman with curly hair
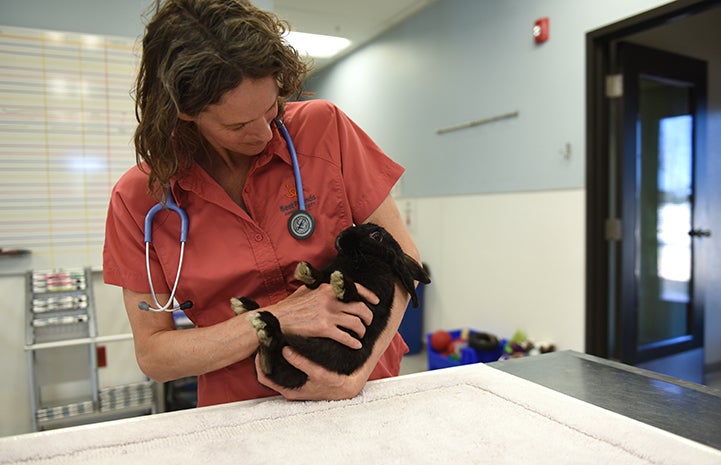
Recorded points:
(216,79)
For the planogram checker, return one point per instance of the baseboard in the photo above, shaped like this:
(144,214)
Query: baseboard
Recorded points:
(712,367)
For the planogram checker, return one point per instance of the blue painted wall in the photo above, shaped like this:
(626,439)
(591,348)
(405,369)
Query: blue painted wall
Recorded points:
(464,60)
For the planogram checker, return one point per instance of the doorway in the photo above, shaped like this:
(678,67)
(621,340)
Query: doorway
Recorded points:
(649,220)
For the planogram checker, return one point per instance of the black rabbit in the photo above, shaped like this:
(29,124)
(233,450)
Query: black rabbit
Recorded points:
(368,255)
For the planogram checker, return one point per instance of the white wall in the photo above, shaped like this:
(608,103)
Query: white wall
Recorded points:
(14,397)
(502,262)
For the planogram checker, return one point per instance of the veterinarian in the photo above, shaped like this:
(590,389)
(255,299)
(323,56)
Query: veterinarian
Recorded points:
(214,76)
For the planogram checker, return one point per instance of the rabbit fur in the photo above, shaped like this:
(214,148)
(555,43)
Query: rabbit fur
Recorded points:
(366,254)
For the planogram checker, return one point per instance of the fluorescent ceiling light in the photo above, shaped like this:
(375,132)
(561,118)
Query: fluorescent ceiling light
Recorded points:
(317,45)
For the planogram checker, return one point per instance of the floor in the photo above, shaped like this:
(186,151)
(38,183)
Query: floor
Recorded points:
(713,379)
(414,363)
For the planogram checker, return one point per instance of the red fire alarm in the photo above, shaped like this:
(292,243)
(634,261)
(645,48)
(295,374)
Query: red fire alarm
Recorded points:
(540,30)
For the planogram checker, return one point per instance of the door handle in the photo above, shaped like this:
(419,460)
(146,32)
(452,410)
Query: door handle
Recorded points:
(699,233)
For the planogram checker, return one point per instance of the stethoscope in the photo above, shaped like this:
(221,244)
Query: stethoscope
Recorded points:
(301,225)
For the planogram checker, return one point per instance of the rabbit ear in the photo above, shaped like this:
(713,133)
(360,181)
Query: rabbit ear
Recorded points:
(409,270)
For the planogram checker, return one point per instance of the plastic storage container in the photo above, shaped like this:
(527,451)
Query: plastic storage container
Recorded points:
(469,355)
(411,327)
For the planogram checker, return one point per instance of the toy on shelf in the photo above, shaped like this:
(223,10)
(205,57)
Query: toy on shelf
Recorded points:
(440,341)
(520,346)
(462,347)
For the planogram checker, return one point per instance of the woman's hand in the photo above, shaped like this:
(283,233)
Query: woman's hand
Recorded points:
(321,385)
(319,313)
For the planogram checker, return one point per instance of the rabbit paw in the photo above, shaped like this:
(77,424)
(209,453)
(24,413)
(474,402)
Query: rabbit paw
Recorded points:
(257,322)
(265,340)
(304,273)
(338,284)
(241,305)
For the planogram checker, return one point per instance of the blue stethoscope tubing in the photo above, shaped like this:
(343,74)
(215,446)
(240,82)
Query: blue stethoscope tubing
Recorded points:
(294,159)
(300,225)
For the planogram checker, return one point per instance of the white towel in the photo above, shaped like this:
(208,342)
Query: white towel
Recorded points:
(465,415)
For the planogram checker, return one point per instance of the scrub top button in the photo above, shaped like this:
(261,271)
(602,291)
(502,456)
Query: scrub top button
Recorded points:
(258,237)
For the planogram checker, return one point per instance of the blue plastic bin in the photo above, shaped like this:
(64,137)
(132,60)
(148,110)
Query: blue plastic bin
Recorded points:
(469,355)
(411,327)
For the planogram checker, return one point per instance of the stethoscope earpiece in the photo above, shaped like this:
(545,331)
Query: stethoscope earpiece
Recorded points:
(143,305)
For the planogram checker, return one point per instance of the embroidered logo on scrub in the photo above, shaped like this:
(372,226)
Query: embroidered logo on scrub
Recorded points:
(291,193)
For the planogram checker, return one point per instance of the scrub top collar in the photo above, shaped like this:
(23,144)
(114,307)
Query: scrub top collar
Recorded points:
(192,179)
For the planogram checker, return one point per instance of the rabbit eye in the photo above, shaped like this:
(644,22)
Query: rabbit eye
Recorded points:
(376,236)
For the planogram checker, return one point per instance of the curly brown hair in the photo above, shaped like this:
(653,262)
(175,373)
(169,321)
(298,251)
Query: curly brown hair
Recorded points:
(194,51)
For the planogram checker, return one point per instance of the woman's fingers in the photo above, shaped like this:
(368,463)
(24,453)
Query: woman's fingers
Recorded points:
(319,313)
(347,340)
(321,384)
(367,294)
(353,324)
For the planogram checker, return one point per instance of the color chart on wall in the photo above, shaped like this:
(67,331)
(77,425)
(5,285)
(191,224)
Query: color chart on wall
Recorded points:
(66,126)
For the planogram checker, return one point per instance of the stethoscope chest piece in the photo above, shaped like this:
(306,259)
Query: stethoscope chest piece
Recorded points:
(301,224)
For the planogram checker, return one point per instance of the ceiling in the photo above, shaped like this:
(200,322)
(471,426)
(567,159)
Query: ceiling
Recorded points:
(358,21)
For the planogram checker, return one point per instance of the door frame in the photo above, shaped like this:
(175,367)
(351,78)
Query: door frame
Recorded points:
(599,61)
